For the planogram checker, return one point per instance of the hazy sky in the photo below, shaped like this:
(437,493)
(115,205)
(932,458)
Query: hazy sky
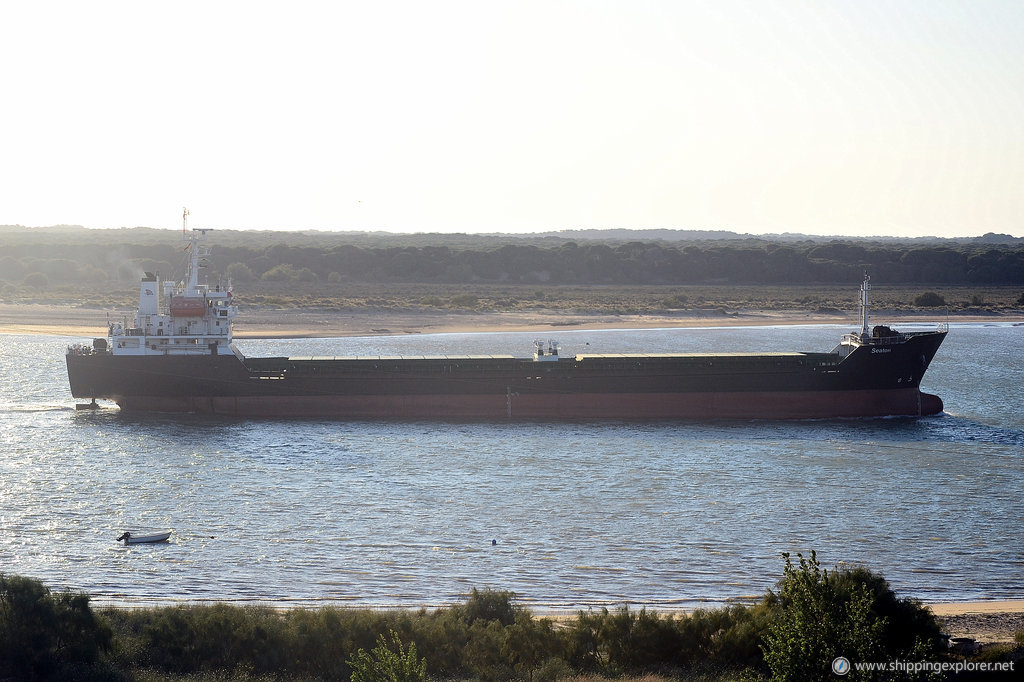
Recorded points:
(828,117)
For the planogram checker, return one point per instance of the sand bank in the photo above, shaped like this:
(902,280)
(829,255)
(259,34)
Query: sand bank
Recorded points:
(976,607)
(306,323)
(985,621)
(988,622)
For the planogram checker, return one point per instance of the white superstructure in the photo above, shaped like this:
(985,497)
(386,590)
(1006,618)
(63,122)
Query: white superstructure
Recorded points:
(184,318)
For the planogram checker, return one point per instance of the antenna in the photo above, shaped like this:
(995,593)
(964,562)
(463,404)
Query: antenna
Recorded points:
(865,288)
(184,220)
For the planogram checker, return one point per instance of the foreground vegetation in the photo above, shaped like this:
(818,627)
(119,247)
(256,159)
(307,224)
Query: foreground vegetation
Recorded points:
(793,633)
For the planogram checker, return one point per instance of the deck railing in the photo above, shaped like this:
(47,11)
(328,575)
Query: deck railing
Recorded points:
(857,339)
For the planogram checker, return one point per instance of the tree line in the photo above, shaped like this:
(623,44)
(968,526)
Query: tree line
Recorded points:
(794,633)
(88,257)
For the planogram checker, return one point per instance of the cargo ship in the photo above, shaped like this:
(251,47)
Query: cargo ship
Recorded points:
(177,355)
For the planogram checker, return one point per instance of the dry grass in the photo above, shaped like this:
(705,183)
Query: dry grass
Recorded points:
(569,299)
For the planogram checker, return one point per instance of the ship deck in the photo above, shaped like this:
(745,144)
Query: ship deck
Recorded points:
(377,358)
(579,357)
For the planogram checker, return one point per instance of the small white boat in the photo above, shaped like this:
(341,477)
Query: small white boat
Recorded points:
(143,537)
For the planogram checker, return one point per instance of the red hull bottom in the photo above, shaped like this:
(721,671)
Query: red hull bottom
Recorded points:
(746,405)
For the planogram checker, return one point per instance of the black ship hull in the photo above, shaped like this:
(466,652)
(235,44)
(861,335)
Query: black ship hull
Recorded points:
(879,378)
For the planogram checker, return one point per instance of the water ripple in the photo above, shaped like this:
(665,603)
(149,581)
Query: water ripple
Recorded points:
(374,513)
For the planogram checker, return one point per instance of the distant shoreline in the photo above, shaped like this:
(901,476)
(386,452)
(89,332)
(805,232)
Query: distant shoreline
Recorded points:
(262,323)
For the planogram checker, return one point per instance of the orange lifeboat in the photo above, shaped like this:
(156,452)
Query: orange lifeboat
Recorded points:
(187,306)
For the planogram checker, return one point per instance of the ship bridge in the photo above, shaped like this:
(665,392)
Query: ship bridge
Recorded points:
(189,317)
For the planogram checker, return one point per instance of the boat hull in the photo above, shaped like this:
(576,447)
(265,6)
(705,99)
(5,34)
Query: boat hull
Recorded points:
(869,381)
(702,406)
(145,538)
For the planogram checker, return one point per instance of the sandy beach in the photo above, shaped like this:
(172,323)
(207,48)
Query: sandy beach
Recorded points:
(986,621)
(308,323)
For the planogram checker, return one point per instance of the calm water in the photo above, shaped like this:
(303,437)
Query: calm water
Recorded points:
(377,513)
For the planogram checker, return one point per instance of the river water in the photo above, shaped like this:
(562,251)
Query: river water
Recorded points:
(567,515)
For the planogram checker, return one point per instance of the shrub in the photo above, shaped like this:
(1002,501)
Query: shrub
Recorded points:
(908,624)
(720,643)
(46,635)
(482,654)
(730,637)
(384,664)
(490,605)
(929,299)
(280,273)
(795,633)
(814,626)
(641,641)
(306,275)
(676,301)
(532,646)
(464,301)
(849,613)
(319,641)
(192,638)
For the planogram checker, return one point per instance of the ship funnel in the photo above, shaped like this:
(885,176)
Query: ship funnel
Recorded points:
(148,295)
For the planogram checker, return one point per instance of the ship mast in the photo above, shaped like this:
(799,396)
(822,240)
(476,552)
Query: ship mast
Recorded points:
(196,252)
(865,287)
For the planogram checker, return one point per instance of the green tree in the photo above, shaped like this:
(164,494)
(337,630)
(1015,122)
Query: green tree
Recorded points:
(849,613)
(239,272)
(815,626)
(388,662)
